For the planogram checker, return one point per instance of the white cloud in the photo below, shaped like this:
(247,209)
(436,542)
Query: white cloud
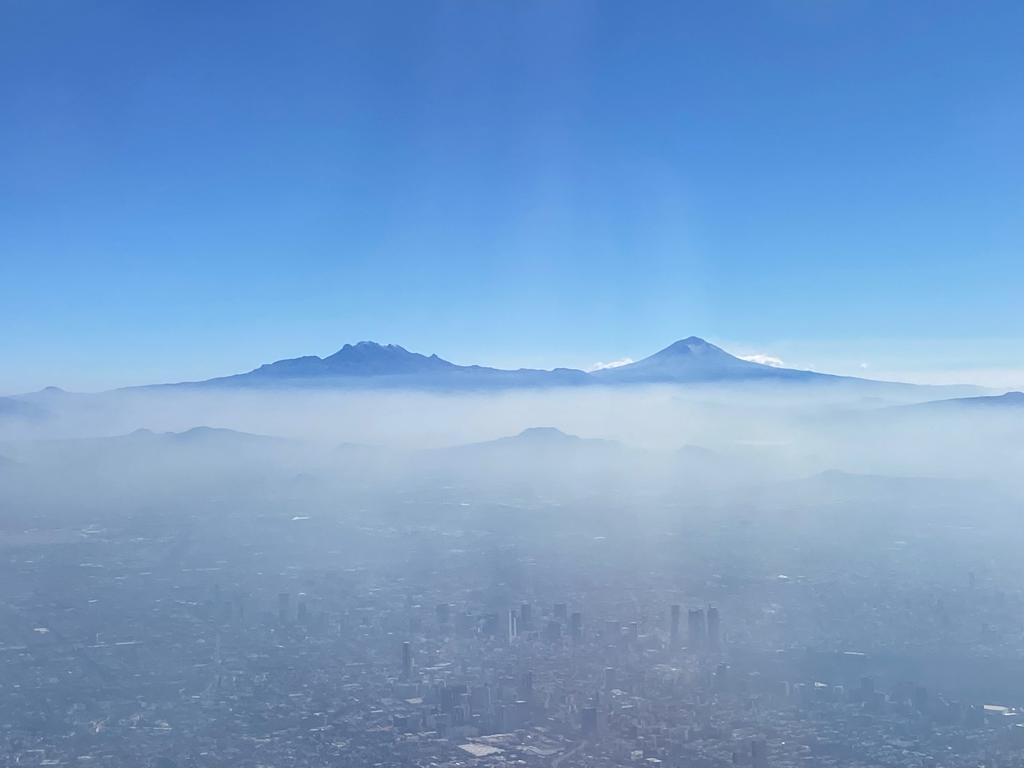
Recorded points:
(763,359)
(612,364)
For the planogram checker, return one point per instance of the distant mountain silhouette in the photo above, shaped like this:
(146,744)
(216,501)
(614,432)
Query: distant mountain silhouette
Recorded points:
(367,358)
(16,408)
(539,439)
(200,447)
(369,365)
(223,440)
(1010,400)
(695,360)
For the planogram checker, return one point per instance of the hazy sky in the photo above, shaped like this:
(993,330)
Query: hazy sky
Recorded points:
(190,188)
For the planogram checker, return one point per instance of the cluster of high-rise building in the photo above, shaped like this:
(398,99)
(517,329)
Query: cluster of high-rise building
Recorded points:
(703,631)
(230,657)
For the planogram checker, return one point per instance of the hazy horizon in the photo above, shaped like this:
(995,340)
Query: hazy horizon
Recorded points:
(702,448)
(889,365)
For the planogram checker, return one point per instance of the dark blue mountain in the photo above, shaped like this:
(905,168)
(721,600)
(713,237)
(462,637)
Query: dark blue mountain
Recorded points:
(366,358)
(378,366)
(695,360)
(368,365)
(1009,401)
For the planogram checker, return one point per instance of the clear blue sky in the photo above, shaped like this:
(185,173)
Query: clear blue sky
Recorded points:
(192,188)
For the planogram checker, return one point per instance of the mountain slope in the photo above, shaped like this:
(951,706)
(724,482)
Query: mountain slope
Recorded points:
(535,441)
(372,365)
(16,408)
(1010,400)
(693,359)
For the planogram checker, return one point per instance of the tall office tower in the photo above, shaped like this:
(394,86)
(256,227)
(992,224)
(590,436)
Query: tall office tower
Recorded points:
(696,629)
(303,613)
(442,723)
(505,718)
(576,626)
(588,721)
(553,633)
(526,685)
(459,715)
(714,641)
(512,628)
(406,660)
(522,708)
(443,614)
(561,611)
(759,753)
(282,607)
(634,630)
(525,617)
(674,631)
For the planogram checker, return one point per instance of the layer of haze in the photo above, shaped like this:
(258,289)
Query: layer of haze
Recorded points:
(686,447)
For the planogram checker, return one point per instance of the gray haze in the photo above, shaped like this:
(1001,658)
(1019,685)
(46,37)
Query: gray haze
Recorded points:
(439,572)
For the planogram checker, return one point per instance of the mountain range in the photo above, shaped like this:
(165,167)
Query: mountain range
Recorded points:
(369,365)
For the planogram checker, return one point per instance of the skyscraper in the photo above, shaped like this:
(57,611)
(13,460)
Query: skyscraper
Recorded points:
(576,626)
(553,632)
(714,641)
(526,685)
(406,660)
(759,753)
(674,631)
(696,629)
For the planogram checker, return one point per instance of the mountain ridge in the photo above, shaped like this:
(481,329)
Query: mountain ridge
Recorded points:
(1013,399)
(688,360)
(372,365)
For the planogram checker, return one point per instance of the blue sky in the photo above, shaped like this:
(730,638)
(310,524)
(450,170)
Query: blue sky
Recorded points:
(190,189)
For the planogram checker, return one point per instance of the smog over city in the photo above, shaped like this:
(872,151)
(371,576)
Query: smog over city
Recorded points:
(511,385)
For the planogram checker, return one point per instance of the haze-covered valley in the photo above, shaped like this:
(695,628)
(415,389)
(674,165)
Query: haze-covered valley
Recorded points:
(281,540)
(704,431)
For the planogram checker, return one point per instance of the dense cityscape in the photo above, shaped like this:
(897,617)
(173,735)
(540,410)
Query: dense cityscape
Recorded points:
(295,641)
